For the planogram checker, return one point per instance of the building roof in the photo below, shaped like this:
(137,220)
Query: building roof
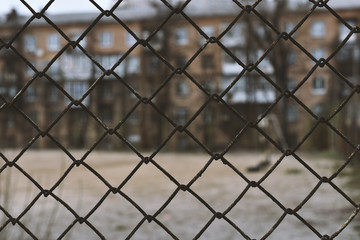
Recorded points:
(344,4)
(149,10)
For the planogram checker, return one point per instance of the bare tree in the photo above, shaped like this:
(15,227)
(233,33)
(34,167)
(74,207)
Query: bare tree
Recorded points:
(261,35)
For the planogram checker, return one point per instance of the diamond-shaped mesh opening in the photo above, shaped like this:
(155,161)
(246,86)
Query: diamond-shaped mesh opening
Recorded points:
(216,192)
(66,188)
(47,211)
(144,193)
(187,205)
(123,220)
(242,213)
(337,209)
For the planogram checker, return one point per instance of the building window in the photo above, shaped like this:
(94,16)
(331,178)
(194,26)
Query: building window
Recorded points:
(180,61)
(183,142)
(289,26)
(29,71)
(319,86)
(134,118)
(181,36)
(207,61)
(209,85)
(291,57)
(181,115)
(106,92)
(209,31)
(30,43)
(318,29)
(106,39)
(77,90)
(10,121)
(83,42)
(12,91)
(107,115)
(318,53)
(134,138)
(54,70)
(130,40)
(344,31)
(53,94)
(318,109)
(154,65)
(240,85)
(3,90)
(235,36)
(208,115)
(182,88)
(53,42)
(133,65)
(31,94)
(108,61)
(291,84)
(292,113)
(75,66)
(135,87)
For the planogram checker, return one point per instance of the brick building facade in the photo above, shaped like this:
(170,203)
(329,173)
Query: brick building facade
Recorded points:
(115,74)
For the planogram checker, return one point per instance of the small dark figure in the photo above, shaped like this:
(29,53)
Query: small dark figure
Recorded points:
(260,166)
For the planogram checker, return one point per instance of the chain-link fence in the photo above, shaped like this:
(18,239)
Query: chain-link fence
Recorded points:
(152,102)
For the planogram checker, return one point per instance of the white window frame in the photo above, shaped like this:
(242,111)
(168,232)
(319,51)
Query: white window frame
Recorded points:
(289,26)
(291,84)
(12,91)
(318,29)
(344,31)
(53,42)
(83,41)
(292,113)
(319,85)
(209,31)
(54,70)
(77,89)
(182,88)
(106,39)
(129,39)
(53,94)
(292,57)
(181,36)
(181,115)
(30,44)
(31,94)
(235,36)
(319,53)
(133,65)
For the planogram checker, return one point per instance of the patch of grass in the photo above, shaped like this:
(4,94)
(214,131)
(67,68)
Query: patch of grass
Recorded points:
(332,154)
(357,228)
(293,171)
(121,228)
(353,177)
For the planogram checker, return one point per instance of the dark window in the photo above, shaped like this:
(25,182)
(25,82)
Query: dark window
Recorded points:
(182,88)
(207,61)
(181,115)
(180,61)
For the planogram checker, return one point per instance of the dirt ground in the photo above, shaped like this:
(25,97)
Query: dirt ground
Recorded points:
(186,215)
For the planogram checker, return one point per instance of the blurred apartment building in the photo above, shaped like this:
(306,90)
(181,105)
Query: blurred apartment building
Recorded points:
(144,77)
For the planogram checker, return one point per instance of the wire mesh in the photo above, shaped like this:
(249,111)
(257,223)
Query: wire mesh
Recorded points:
(174,11)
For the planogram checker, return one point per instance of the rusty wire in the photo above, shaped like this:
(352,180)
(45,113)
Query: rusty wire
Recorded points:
(142,100)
